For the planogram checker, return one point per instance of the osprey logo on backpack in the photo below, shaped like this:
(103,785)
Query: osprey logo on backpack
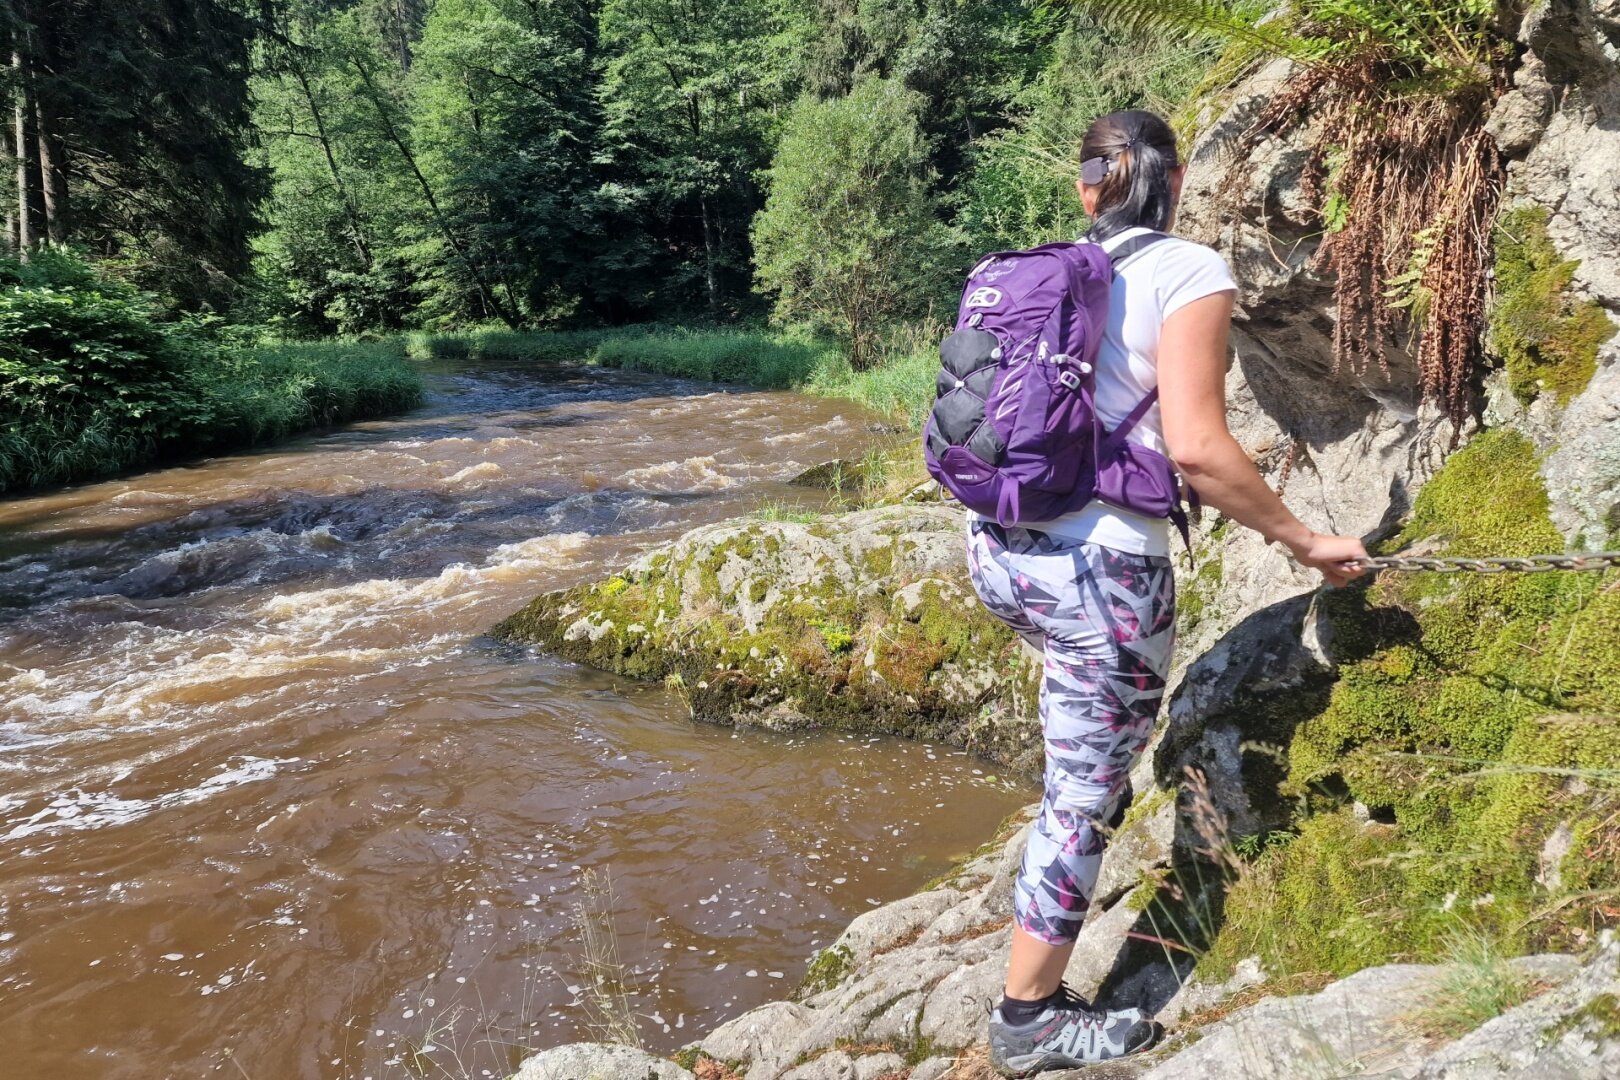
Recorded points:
(1014,432)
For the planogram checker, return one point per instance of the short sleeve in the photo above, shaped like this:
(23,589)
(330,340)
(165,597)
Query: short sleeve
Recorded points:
(1188,272)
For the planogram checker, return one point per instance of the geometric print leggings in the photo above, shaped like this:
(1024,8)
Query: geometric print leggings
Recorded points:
(1105,621)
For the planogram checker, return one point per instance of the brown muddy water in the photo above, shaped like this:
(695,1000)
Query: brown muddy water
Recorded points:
(270,807)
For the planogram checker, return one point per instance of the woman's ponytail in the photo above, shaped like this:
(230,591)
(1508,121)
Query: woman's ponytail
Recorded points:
(1128,157)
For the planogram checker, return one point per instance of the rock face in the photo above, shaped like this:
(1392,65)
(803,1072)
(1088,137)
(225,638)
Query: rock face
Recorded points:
(867,620)
(863,620)
(598,1061)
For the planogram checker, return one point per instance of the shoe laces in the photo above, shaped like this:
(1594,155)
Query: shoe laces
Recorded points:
(1066,999)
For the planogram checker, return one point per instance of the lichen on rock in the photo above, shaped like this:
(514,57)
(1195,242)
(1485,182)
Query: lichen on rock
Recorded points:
(863,621)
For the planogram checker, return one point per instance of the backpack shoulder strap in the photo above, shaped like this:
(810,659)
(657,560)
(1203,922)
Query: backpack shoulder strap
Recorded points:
(1130,249)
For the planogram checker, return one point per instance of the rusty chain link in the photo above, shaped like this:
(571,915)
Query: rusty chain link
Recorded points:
(1530,564)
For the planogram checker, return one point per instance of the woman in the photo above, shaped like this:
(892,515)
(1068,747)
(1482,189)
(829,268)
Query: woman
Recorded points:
(1094,588)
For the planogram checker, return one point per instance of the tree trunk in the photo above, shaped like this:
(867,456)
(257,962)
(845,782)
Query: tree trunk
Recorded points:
(708,258)
(8,163)
(53,172)
(485,293)
(404,42)
(30,207)
(350,210)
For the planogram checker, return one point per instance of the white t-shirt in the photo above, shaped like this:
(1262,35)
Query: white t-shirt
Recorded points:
(1147,290)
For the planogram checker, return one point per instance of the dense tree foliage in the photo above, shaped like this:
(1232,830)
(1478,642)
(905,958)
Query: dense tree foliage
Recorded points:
(130,124)
(325,167)
(850,239)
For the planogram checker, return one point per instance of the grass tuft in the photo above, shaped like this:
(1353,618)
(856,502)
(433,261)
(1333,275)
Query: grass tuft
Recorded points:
(1479,984)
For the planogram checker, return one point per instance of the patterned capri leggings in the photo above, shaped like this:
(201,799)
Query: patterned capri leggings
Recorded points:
(1105,621)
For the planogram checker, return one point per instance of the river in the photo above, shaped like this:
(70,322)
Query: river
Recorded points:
(271,807)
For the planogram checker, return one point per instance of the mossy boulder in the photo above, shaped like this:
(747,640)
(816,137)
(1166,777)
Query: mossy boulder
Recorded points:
(863,621)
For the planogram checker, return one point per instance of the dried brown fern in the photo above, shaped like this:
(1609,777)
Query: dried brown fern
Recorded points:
(1416,182)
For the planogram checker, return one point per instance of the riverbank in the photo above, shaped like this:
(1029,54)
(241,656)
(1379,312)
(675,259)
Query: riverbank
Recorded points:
(94,381)
(899,383)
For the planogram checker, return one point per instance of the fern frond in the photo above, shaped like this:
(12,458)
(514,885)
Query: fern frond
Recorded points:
(1225,20)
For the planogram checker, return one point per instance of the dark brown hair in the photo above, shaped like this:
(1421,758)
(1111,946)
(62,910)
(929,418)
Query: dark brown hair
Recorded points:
(1134,152)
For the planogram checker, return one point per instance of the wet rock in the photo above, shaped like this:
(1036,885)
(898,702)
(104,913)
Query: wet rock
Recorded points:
(598,1061)
(839,474)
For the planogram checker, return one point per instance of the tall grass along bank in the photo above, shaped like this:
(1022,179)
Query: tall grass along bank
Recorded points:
(898,383)
(92,383)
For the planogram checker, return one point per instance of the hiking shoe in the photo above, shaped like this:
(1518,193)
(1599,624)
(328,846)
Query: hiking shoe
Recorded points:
(1068,1033)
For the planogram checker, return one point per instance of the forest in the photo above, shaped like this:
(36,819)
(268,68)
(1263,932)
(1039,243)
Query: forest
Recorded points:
(206,194)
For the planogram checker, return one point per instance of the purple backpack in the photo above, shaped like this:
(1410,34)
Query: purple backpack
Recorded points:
(1014,433)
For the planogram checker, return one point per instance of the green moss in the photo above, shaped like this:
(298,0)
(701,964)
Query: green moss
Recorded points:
(1598,1020)
(1332,900)
(1194,594)
(1473,714)
(1145,807)
(827,969)
(837,637)
(1547,339)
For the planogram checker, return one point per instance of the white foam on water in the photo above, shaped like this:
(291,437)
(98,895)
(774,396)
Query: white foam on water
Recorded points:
(503,443)
(325,613)
(482,472)
(143,497)
(77,810)
(691,474)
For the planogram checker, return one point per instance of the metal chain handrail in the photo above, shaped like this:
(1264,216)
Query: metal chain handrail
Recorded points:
(1529,564)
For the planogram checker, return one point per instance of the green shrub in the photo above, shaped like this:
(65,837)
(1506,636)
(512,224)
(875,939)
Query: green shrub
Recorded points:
(93,380)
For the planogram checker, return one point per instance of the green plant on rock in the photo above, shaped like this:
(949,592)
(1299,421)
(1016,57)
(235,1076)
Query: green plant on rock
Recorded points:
(1472,716)
(1478,984)
(827,969)
(836,636)
(1547,338)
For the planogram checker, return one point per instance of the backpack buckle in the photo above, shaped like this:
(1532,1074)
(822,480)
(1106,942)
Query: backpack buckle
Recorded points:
(1069,379)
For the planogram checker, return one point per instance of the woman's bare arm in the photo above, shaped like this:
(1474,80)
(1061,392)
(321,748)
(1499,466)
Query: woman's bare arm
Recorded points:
(1192,401)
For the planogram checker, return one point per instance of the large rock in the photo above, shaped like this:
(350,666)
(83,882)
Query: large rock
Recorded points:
(598,1061)
(1570,1033)
(862,621)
